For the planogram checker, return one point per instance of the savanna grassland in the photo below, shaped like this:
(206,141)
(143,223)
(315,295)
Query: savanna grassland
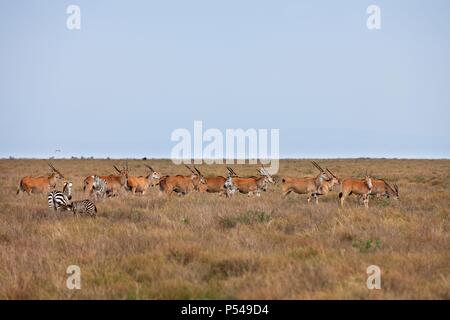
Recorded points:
(203,246)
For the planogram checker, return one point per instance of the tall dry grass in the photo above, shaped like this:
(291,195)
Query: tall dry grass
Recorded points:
(206,247)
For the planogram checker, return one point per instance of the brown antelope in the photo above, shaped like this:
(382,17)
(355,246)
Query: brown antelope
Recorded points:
(214,185)
(118,182)
(251,185)
(88,183)
(141,183)
(114,182)
(380,188)
(198,185)
(327,185)
(360,187)
(311,186)
(40,184)
(181,185)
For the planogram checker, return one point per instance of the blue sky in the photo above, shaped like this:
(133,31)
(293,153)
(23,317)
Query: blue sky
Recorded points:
(137,70)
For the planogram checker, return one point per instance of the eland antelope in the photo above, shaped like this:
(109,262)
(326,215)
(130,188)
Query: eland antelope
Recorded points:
(181,185)
(360,187)
(311,186)
(251,185)
(115,182)
(41,184)
(141,183)
(380,188)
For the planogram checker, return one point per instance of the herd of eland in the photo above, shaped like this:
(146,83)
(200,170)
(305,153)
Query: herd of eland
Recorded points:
(105,186)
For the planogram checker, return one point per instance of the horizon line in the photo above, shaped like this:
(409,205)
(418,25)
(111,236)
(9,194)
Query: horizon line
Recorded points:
(223,159)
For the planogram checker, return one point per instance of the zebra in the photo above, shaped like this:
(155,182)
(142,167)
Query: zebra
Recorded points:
(229,186)
(82,207)
(99,188)
(59,200)
(67,189)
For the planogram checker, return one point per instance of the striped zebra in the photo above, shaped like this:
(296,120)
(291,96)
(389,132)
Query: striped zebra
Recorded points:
(99,188)
(230,186)
(67,189)
(58,200)
(82,207)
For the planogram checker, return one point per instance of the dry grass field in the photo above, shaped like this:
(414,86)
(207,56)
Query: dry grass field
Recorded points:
(203,246)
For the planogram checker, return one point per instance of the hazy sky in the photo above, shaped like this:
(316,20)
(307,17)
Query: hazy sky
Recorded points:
(137,70)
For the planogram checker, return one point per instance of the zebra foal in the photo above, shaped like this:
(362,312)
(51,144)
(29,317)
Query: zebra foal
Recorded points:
(82,207)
